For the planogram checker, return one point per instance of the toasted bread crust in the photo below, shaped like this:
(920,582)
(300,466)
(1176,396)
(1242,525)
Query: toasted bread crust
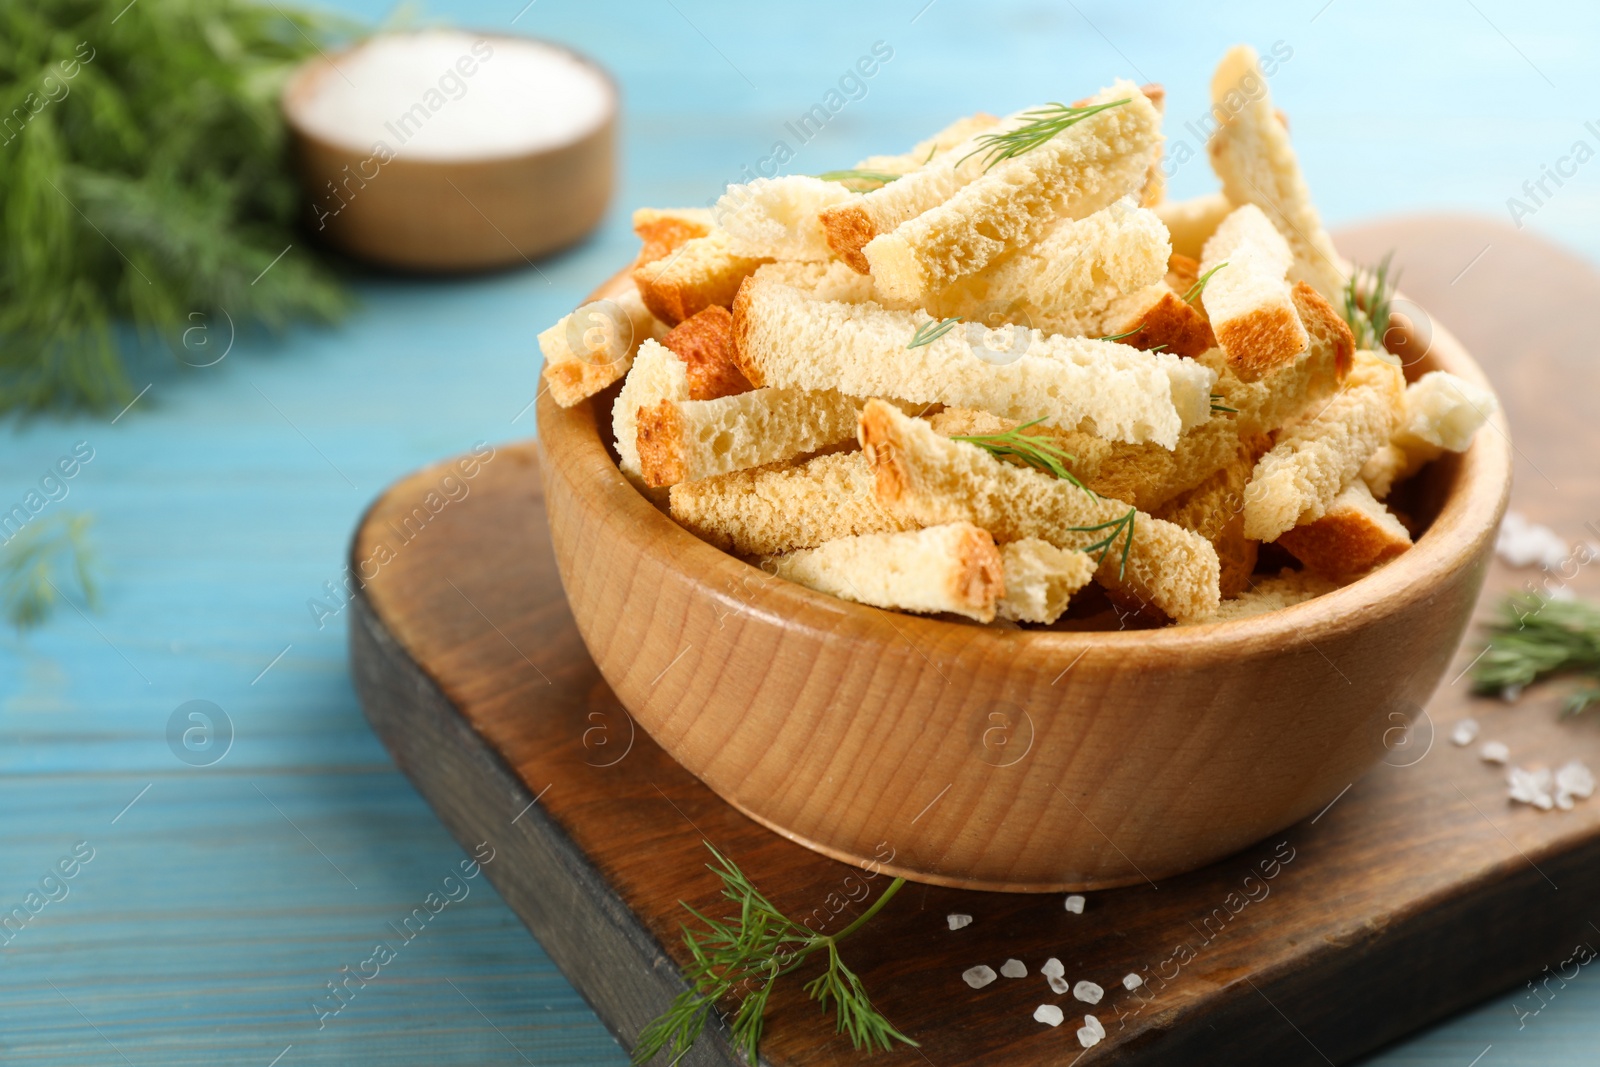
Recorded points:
(1262,341)
(704,341)
(740,332)
(1169,324)
(699,273)
(1324,325)
(978,580)
(1355,535)
(849,228)
(663,236)
(660,438)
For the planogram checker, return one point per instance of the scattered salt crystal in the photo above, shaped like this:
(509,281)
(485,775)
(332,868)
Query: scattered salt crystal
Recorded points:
(1522,543)
(1511,693)
(1465,733)
(1014,969)
(979,976)
(1494,752)
(1058,984)
(1049,1014)
(1131,981)
(957,921)
(1052,968)
(1532,787)
(1075,904)
(1573,780)
(1091,1032)
(1088,992)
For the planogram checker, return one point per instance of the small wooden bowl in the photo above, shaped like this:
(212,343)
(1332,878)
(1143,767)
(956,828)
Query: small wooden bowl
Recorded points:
(1018,761)
(450,216)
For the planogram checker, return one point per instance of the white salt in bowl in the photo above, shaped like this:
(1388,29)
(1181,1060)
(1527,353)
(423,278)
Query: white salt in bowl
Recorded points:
(448,150)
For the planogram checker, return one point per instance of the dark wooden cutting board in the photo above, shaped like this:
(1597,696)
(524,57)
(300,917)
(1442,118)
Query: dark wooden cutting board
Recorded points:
(1417,892)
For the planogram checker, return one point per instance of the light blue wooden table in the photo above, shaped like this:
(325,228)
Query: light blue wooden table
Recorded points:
(221,899)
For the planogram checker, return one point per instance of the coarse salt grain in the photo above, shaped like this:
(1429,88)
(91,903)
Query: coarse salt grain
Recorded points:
(1049,1014)
(1131,981)
(1014,969)
(1052,968)
(1494,752)
(1075,904)
(1532,786)
(443,94)
(1058,984)
(1522,543)
(1573,780)
(1465,733)
(1091,1032)
(1088,992)
(979,976)
(957,921)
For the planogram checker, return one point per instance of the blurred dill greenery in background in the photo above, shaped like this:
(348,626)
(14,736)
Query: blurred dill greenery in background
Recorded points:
(144,178)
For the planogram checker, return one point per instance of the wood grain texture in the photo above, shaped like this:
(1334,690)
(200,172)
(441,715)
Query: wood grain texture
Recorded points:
(1411,894)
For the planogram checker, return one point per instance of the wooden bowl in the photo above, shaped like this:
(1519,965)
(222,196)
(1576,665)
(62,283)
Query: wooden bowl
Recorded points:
(1018,761)
(450,216)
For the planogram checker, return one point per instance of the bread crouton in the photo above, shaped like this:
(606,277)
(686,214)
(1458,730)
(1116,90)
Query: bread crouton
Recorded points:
(1247,299)
(777,218)
(1088,166)
(657,374)
(1040,579)
(1064,282)
(665,230)
(685,440)
(1271,401)
(1354,535)
(1319,454)
(594,346)
(1286,589)
(704,341)
(1214,509)
(1155,317)
(770,510)
(954,568)
(785,339)
(933,479)
(1250,152)
(1190,223)
(1440,413)
(695,275)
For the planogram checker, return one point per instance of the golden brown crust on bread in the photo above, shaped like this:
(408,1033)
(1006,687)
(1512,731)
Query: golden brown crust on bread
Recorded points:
(1324,325)
(660,439)
(663,236)
(697,274)
(979,578)
(704,341)
(741,333)
(849,229)
(1355,535)
(1169,324)
(1259,343)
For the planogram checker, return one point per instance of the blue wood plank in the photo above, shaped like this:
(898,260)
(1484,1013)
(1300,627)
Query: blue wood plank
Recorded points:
(209,919)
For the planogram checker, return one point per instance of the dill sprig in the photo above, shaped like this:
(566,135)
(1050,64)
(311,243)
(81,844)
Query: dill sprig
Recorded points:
(749,952)
(1368,296)
(930,331)
(34,564)
(1199,285)
(1042,123)
(1120,336)
(1118,527)
(859,180)
(1033,450)
(1536,638)
(1217,409)
(153,192)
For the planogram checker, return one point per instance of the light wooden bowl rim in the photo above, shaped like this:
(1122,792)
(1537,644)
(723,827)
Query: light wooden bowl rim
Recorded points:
(304,77)
(1469,515)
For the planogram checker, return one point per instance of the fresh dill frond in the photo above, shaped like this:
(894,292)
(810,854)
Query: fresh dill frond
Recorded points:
(1042,123)
(1119,527)
(1368,300)
(147,184)
(1537,638)
(930,332)
(34,565)
(1199,285)
(859,180)
(749,952)
(1120,336)
(1217,408)
(1032,450)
